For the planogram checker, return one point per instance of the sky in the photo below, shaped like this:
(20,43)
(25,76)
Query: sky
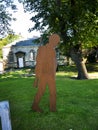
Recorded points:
(23,22)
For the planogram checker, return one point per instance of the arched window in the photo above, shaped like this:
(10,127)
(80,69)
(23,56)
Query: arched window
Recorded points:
(32,55)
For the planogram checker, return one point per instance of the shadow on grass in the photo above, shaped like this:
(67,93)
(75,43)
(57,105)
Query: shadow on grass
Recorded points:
(17,73)
(63,72)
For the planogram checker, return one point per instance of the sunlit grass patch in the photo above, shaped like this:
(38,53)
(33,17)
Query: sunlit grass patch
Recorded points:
(66,74)
(77,103)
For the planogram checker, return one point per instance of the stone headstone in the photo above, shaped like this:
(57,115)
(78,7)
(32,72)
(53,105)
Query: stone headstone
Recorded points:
(5,115)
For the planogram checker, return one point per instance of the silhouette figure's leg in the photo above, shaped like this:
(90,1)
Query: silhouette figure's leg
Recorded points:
(52,89)
(39,94)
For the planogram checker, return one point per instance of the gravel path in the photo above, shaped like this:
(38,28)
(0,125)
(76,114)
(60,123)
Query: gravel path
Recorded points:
(93,75)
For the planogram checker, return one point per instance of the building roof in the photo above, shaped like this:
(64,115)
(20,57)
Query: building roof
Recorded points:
(27,42)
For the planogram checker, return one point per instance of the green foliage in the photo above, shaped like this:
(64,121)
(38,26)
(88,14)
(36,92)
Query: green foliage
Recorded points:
(10,38)
(76,21)
(5,17)
(77,103)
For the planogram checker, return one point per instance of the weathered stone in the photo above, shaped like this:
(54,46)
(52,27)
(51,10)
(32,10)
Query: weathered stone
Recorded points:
(5,115)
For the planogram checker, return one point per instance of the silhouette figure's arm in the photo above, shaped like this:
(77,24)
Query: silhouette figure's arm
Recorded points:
(35,84)
(37,68)
(38,63)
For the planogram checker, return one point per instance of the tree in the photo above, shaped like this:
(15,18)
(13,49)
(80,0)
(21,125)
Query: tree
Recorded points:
(8,39)
(5,17)
(75,20)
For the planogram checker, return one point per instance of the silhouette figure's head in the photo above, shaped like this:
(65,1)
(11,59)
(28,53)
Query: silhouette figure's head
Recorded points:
(54,39)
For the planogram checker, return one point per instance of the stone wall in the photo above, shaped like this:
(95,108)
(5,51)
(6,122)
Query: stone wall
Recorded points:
(10,58)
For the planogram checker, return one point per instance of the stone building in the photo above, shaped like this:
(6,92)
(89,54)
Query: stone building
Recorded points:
(20,54)
(23,53)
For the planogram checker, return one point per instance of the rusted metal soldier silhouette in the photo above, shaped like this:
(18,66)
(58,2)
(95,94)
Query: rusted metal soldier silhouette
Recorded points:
(45,73)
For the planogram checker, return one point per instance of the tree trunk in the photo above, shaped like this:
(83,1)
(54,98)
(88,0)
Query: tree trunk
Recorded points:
(82,71)
(80,64)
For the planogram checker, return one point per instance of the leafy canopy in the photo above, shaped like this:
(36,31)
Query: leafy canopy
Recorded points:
(75,20)
(5,16)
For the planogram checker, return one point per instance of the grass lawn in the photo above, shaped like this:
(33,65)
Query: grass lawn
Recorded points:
(77,103)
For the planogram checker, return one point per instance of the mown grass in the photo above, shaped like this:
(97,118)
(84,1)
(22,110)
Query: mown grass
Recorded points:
(77,103)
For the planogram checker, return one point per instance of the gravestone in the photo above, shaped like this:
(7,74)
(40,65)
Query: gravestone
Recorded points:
(5,115)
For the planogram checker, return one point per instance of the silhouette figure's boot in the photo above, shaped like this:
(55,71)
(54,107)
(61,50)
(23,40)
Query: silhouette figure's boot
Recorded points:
(36,108)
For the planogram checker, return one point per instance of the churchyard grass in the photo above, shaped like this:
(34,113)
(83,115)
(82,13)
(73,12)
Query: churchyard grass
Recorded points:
(77,103)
